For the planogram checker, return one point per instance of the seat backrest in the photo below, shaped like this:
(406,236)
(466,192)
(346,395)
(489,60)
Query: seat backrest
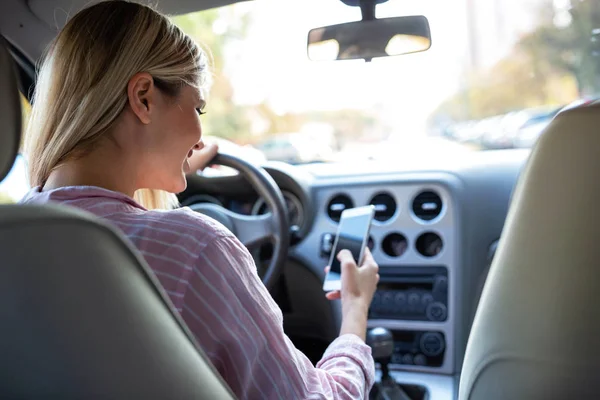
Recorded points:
(81,315)
(536,334)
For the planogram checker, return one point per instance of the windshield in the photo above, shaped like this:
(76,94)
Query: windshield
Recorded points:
(496,74)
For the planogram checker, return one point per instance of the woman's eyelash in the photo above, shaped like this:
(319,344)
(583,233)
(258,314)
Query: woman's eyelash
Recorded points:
(200,112)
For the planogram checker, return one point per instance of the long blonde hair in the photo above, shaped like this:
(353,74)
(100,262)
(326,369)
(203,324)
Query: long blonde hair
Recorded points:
(82,83)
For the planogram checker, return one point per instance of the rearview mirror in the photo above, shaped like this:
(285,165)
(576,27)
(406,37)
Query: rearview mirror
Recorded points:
(368,39)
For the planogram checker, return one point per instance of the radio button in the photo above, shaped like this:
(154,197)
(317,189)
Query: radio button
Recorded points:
(426,299)
(413,303)
(437,312)
(400,299)
(376,300)
(414,299)
(420,359)
(387,302)
(440,284)
(407,359)
(432,344)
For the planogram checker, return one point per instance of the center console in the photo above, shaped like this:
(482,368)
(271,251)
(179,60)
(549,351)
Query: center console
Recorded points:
(413,241)
(413,238)
(413,294)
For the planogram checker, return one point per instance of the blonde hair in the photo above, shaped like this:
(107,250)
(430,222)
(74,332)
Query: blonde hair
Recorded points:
(82,83)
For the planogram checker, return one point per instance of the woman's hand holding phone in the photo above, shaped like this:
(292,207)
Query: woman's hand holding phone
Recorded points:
(358,287)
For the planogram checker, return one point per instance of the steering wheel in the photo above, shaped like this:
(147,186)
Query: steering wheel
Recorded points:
(254,231)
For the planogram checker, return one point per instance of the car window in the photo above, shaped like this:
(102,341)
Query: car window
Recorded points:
(489,59)
(16,183)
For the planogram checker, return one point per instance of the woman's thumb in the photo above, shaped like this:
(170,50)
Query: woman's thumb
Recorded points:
(347,262)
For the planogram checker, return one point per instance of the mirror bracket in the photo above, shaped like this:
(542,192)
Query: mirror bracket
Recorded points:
(367,9)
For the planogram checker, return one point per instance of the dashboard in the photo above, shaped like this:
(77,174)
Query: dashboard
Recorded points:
(252,206)
(432,235)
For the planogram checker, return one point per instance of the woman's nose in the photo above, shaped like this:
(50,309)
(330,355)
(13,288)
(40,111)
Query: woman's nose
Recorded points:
(199,145)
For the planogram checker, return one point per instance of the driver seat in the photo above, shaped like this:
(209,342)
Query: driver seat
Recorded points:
(536,333)
(81,314)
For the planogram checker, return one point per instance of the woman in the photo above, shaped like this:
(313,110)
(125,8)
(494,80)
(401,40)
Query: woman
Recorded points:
(114,127)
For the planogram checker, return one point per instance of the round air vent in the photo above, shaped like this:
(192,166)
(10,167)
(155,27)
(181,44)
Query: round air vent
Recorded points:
(338,204)
(427,205)
(395,244)
(429,244)
(385,206)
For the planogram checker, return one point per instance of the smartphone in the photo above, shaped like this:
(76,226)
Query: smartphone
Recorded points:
(352,235)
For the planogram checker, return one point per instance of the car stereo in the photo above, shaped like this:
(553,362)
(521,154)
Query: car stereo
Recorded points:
(422,348)
(411,293)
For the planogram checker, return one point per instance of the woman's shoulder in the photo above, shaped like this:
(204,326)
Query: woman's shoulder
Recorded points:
(190,222)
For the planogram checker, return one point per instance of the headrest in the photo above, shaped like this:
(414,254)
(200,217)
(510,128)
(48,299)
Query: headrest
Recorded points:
(10,111)
(535,335)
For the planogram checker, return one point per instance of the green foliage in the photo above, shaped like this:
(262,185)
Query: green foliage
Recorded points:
(570,49)
(512,84)
(551,65)
(224,118)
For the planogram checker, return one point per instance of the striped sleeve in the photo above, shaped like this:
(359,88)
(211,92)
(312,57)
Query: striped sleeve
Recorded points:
(236,320)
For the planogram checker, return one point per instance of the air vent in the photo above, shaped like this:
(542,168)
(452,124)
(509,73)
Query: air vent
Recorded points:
(429,244)
(427,205)
(338,204)
(395,244)
(385,206)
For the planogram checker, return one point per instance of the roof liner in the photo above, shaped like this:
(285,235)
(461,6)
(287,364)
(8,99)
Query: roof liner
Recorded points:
(55,13)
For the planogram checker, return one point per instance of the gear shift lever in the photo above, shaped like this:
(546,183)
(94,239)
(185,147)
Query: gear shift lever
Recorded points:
(382,348)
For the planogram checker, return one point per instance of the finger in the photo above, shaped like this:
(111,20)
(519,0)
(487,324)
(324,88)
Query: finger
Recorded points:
(335,295)
(347,265)
(368,257)
(370,266)
(214,147)
(344,254)
(327,270)
(201,158)
(210,150)
(346,259)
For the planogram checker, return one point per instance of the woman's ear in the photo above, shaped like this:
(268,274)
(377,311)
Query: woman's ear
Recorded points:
(140,94)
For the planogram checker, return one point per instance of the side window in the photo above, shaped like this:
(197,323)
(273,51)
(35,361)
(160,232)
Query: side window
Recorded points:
(16,184)
(26,109)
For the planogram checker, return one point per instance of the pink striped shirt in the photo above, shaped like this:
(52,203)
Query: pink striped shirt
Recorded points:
(213,283)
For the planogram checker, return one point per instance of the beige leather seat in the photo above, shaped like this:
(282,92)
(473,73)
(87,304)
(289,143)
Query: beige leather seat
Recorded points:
(536,334)
(81,316)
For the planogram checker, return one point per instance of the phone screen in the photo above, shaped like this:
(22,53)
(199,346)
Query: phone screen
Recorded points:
(352,235)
